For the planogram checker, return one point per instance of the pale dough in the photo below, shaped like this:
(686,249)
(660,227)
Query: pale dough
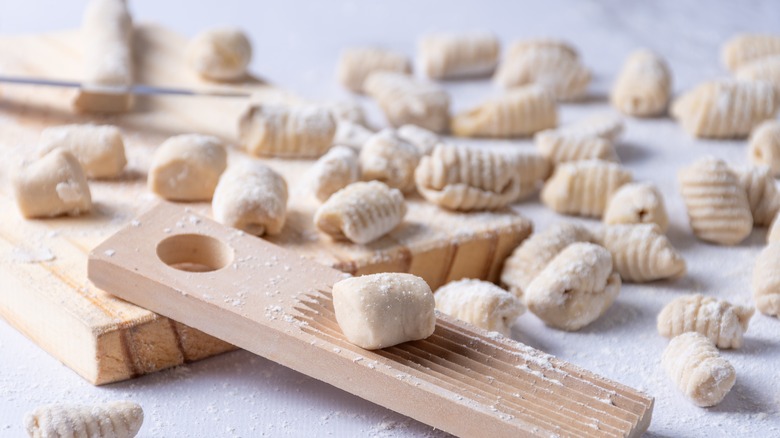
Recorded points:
(406,100)
(388,158)
(357,64)
(449,56)
(119,419)
(53,185)
(220,54)
(745,48)
(644,85)
(187,167)
(637,203)
(480,303)
(583,187)
(641,253)
(766,280)
(762,194)
(99,149)
(305,131)
(764,146)
(720,321)
(334,171)
(423,139)
(561,147)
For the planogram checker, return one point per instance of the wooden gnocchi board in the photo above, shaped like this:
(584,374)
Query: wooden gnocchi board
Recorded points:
(45,293)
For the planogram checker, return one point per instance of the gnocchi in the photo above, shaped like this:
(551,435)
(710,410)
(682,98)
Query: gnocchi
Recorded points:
(746,48)
(764,146)
(423,139)
(644,85)
(764,69)
(637,203)
(448,56)
(604,125)
(361,212)
(387,158)
(725,108)
(99,149)
(531,169)
(467,179)
(575,288)
(357,64)
(347,111)
(480,303)
(334,171)
(583,187)
(54,185)
(119,419)
(774,230)
(560,147)
(351,134)
(641,252)
(290,132)
(697,368)
(381,310)
(766,280)
(720,321)
(718,207)
(252,197)
(519,112)
(405,100)
(220,54)
(762,194)
(187,167)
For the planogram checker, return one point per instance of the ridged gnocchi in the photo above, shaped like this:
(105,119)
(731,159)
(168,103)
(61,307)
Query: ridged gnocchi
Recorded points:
(361,212)
(480,303)
(467,179)
(519,112)
(220,54)
(532,169)
(119,419)
(333,171)
(720,321)
(406,100)
(387,158)
(746,48)
(575,288)
(641,253)
(449,56)
(99,149)
(637,203)
(347,110)
(351,134)
(717,205)
(761,192)
(695,366)
(644,85)
(187,167)
(764,146)
(583,187)
(423,139)
(54,185)
(766,280)
(764,69)
(290,132)
(357,64)
(608,126)
(560,147)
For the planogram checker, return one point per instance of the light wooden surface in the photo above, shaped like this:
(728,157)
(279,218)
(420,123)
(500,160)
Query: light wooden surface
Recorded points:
(277,304)
(43,263)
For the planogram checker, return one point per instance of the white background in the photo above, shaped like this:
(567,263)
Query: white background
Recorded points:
(296,46)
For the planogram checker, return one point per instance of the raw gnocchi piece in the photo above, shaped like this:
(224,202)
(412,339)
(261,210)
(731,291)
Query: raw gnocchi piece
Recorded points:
(720,321)
(357,64)
(381,310)
(480,303)
(637,203)
(608,126)
(725,108)
(641,253)
(761,192)
(521,47)
(695,366)
(220,54)
(99,149)
(644,85)
(533,255)
(766,280)
(764,69)
(361,212)
(583,187)
(252,197)
(289,132)
(349,111)
(119,419)
(518,112)
(448,56)
(405,100)
(575,288)
(54,185)
(423,139)
(746,48)
(387,158)
(334,171)
(187,167)
(351,134)
(560,147)
(773,235)
(718,207)
(532,169)
(764,146)
(466,179)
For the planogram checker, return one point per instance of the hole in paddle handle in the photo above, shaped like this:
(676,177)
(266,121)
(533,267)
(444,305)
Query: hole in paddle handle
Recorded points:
(194,253)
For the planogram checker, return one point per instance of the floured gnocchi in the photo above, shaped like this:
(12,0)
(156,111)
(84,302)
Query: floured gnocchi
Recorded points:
(481,303)
(720,321)
(696,367)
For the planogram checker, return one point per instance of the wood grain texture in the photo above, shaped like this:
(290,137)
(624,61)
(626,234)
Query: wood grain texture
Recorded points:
(45,293)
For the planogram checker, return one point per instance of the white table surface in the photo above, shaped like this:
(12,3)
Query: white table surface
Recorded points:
(296,45)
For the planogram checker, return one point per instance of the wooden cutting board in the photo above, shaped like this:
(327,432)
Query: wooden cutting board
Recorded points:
(45,291)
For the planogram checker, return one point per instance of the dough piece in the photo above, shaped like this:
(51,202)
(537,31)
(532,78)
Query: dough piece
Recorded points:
(119,419)
(518,112)
(766,280)
(764,146)
(423,139)
(405,100)
(551,64)
(466,179)
(54,185)
(764,69)
(449,56)
(288,132)
(107,32)
(637,203)
(361,212)
(644,85)
(773,235)
(187,167)
(560,147)
(357,64)
(583,187)
(720,321)
(725,108)
(480,303)
(220,54)
(718,207)
(386,157)
(533,255)
(575,288)
(641,253)
(348,110)
(746,48)
(531,169)
(761,193)
(696,367)
(252,197)
(381,310)
(334,171)
(352,134)
(608,126)
(99,149)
